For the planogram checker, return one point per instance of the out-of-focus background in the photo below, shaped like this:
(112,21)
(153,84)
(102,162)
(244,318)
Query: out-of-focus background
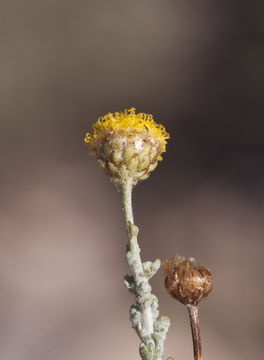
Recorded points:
(197,66)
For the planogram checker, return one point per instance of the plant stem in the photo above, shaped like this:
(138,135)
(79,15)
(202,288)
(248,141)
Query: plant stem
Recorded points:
(195,326)
(127,203)
(136,266)
(144,313)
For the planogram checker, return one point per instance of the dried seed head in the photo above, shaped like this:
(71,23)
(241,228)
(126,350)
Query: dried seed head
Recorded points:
(127,145)
(186,282)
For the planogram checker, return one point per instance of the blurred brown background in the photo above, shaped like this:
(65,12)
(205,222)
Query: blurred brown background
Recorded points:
(198,67)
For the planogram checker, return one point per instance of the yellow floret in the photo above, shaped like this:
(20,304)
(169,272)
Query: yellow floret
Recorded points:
(128,123)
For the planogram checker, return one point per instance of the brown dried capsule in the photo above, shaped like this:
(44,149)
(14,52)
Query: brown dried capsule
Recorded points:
(186,282)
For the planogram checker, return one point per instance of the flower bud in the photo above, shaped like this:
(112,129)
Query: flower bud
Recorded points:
(127,145)
(186,282)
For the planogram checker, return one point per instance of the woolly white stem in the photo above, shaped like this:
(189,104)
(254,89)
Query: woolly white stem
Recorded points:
(144,314)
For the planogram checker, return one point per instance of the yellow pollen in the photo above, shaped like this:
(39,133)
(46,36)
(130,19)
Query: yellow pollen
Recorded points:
(128,123)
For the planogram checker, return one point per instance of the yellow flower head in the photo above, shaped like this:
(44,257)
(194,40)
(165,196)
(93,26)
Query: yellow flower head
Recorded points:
(127,145)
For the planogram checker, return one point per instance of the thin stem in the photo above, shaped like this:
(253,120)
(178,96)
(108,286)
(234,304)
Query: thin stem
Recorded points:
(144,314)
(136,264)
(127,203)
(195,325)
